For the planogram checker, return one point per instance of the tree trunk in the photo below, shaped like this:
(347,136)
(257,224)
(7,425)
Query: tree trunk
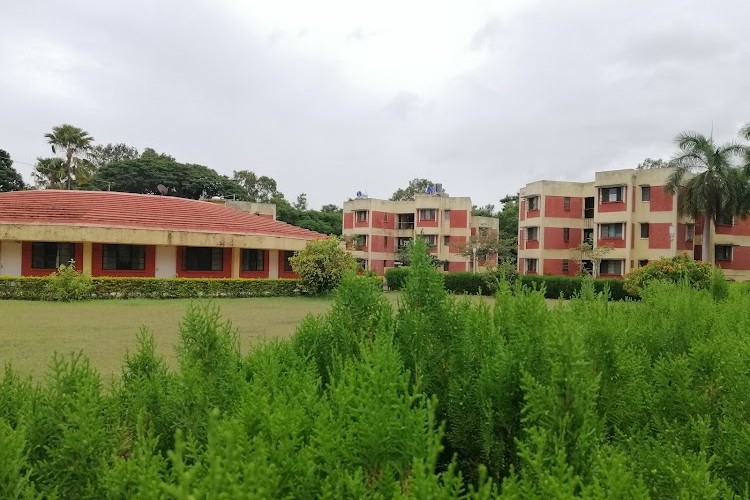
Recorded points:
(69,161)
(706,254)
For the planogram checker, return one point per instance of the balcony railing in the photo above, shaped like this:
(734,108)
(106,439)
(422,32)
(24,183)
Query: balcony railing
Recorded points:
(405,225)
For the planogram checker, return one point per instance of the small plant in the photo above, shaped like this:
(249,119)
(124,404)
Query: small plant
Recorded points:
(678,269)
(67,284)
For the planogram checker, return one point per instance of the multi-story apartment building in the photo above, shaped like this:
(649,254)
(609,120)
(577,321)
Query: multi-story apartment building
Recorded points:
(376,230)
(626,210)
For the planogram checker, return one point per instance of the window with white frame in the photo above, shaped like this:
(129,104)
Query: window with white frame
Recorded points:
(430,239)
(532,233)
(447,214)
(531,265)
(611,266)
(610,231)
(689,232)
(645,230)
(360,241)
(645,193)
(611,194)
(532,203)
(427,213)
(361,215)
(723,252)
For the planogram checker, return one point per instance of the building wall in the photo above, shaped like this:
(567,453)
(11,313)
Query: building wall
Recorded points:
(11,253)
(165,261)
(667,230)
(452,220)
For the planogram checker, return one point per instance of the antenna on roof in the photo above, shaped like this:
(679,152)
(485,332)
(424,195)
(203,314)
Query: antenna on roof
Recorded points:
(162,189)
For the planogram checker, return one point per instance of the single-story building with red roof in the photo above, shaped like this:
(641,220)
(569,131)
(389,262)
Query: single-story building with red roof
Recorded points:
(124,234)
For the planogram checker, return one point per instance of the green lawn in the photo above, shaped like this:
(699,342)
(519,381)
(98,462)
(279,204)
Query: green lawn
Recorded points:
(30,332)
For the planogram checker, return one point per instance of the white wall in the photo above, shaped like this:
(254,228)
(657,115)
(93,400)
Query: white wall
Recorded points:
(10,258)
(273,263)
(166,261)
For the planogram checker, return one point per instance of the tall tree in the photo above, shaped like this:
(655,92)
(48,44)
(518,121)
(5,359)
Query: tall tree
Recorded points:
(745,134)
(301,203)
(508,216)
(109,153)
(49,173)
(261,189)
(717,190)
(416,186)
(74,144)
(10,179)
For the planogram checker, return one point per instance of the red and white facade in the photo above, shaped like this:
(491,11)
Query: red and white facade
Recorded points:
(376,229)
(133,235)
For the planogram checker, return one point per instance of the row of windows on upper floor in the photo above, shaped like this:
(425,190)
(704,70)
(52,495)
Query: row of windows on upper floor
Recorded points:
(361,240)
(120,257)
(426,214)
(606,195)
(612,231)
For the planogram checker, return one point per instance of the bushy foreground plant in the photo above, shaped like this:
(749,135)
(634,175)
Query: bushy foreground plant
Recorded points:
(678,269)
(67,284)
(322,264)
(444,398)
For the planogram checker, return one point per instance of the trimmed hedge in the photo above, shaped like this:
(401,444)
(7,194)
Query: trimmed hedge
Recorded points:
(555,286)
(34,288)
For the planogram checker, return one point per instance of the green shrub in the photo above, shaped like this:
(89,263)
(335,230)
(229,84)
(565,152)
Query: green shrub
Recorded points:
(678,269)
(36,288)
(322,264)
(395,277)
(67,284)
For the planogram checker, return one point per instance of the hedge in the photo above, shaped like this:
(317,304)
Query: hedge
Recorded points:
(555,286)
(33,288)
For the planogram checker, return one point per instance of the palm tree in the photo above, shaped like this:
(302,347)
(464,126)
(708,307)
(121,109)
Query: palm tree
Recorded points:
(717,191)
(73,141)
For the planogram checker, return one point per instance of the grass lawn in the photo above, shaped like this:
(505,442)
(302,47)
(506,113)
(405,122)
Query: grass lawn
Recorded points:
(30,332)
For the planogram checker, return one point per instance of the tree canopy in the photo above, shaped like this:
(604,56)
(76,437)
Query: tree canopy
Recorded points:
(10,179)
(74,145)
(416,186)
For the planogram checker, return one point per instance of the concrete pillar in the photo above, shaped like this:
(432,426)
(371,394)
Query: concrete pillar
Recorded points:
(87,265)
(166,261)
(10,258)
(273,264)
(236,252)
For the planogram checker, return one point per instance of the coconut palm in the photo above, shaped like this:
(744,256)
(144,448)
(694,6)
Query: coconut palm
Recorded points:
(718,189)
(73,142)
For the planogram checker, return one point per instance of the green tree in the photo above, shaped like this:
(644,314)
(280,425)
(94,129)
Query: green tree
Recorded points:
(301,203)
(745,134)
(75,144)
(49,173)
(101,156)
(10,179)
(508,216)
(321,265)
(719,188)
(649,164)
(185,180)
(416,186)
(485,211)
(260,189)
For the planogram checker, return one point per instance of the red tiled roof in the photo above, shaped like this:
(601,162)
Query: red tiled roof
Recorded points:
(141,211)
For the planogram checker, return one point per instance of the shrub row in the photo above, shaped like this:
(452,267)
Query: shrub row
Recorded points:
(38,288)
(472,284)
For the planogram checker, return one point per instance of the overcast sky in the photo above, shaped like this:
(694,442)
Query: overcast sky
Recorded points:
(333,97)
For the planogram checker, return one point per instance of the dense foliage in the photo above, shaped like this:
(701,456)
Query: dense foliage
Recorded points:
(79,288)
(487,282)
(444,398)
(321,265)
(681,268)
(10,179)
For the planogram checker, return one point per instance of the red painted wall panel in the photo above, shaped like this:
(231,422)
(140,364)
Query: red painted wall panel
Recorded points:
(614,243)
(348,220)
(658,235)
(661,201)
(457,244)
(459,219)
(554,206)
(428,223)
(26,269)
(740,259)
(683,244)
(378,243)
(532,244)
(554,238)
(457,267)
(532,213)
(612,206)
(383,220)
(148,272)
(740,227)
(554,267)
(522,210)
